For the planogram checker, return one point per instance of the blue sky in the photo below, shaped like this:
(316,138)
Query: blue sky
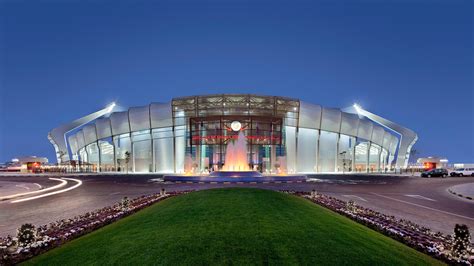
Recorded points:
(407,61)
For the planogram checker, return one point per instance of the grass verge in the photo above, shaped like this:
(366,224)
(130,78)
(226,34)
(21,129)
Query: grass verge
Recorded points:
(234,226)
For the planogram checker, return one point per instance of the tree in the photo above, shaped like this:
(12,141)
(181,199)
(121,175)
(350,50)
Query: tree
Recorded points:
(462,239)
(26,234)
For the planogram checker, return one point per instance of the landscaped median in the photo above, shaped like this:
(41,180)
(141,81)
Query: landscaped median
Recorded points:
(236,226)
(32,241)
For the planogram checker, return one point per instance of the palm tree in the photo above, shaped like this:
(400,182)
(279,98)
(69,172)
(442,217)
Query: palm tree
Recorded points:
(127,159)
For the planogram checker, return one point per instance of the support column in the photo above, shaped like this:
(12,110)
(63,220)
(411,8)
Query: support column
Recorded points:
(272,156)
(99,169)
(353,155)
(368,157)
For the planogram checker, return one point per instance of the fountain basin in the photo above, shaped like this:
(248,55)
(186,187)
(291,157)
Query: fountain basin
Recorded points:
(235,174)
(234,177)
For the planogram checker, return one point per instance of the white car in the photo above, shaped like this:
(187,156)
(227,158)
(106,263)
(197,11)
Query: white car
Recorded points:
(463,172)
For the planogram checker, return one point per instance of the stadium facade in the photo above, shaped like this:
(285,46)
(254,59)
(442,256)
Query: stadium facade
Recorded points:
(191,134)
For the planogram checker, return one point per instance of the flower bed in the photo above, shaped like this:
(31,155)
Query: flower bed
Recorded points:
(57,233)
(418,237)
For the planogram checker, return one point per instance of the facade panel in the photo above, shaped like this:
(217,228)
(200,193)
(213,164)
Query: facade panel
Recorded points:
(139,118)
(393,144)
(103,128)
(331,120)
(377,135)
(80,139)
(89,133)
(386,140)
(120,123)
(310,115)
(365,129)
(349,124)
(73,144)
(161,115)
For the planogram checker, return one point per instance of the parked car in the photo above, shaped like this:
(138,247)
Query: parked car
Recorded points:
(463,172)
(440,172)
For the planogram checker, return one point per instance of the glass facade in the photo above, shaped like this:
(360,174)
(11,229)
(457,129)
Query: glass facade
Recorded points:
(192,133)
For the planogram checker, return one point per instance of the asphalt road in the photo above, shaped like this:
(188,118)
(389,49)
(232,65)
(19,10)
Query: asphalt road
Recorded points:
(424,201)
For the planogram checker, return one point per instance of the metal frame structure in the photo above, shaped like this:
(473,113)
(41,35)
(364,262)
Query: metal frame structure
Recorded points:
(310,134)
(57,136)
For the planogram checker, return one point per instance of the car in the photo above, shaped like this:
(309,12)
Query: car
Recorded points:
(440,172)
(463,172)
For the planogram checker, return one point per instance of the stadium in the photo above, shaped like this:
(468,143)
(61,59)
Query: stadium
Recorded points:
(192,134)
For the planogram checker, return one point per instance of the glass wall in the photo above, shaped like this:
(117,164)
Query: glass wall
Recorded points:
(106,149)
(290,142)
(163,150)
(180,144)
(307,150)
(383,160)
(83,155)
(142,160)
(345,153)
(374,158)
(327,151)
(123,146)
(361,155)
(198,128)
(93,155)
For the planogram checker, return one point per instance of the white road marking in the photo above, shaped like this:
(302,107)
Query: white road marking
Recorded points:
(23,186)
(425,207)
(354,196)
(419,197)
(62,184)
(40,186)
(115,193)
(79,182)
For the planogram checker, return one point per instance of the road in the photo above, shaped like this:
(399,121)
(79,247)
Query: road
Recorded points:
(423,201)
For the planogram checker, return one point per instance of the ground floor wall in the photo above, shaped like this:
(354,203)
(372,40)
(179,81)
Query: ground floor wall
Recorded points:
(167,150)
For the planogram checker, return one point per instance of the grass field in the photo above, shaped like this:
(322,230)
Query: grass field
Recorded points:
(234,226)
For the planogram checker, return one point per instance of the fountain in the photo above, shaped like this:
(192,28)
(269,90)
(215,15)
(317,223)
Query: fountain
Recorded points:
(236,168)
(236,162)
(236,155)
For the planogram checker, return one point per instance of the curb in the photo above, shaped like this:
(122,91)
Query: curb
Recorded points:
(239,183)
(460,195)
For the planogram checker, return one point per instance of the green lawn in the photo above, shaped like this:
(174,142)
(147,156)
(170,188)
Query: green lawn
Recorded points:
(234,226)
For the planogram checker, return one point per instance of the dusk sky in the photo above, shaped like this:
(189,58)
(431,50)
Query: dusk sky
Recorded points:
(408,61)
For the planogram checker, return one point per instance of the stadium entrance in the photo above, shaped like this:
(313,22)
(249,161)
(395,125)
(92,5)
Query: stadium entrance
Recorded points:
(210,135)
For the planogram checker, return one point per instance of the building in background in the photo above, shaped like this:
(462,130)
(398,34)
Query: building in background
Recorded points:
(429,163)
(26,164)
(193,132)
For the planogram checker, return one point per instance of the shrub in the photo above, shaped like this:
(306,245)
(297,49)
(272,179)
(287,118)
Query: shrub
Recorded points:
(125,203)
(26,234)
(462,239)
